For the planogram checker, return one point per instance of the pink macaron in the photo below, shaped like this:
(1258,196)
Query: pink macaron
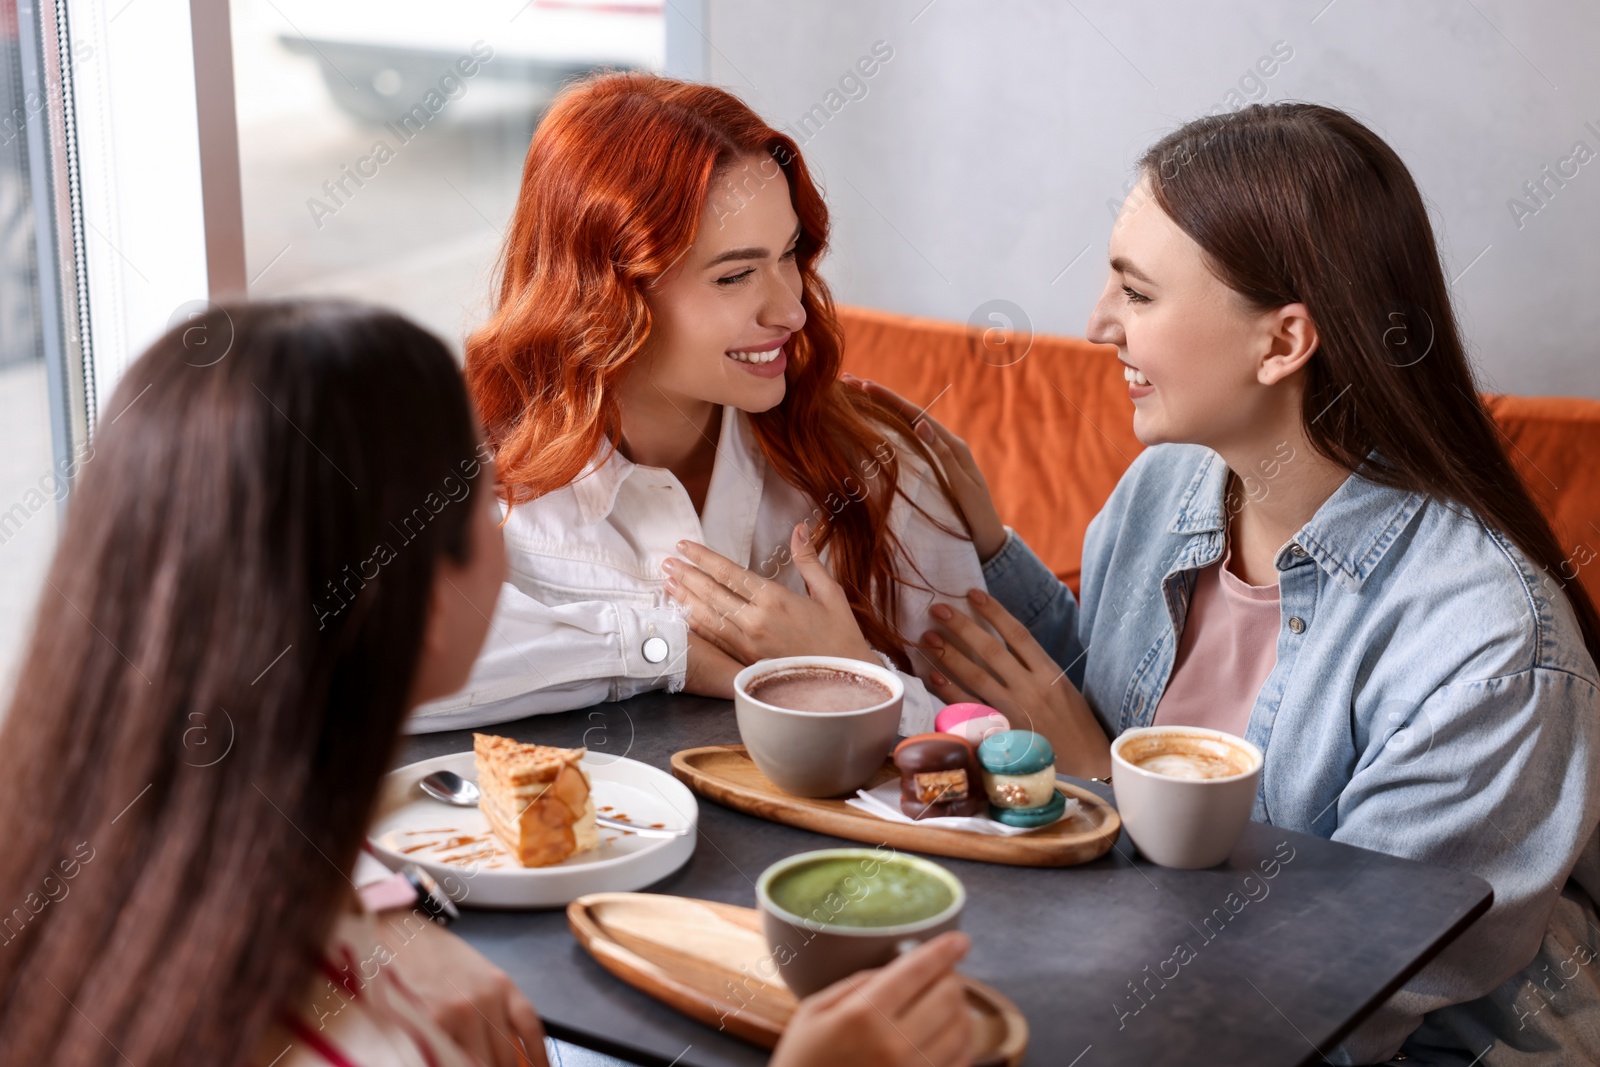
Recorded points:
(974,722)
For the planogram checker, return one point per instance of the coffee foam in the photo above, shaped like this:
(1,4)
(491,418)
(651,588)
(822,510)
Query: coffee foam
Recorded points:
(1193,756)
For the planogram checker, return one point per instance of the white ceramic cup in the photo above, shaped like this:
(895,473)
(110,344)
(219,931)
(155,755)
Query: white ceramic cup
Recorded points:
(1184,822)
(817,754)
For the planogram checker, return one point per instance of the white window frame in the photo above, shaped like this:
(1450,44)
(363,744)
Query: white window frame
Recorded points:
(158,202)
(158,167)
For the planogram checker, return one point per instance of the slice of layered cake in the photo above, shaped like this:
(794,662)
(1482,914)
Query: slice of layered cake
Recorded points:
(536,799)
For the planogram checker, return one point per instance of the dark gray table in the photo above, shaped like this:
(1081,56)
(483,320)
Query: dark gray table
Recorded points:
(1276,970)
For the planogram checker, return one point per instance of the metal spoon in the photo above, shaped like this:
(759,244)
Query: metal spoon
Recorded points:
(451,788)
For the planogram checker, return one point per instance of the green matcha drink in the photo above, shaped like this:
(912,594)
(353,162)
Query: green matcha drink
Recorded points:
(850,891)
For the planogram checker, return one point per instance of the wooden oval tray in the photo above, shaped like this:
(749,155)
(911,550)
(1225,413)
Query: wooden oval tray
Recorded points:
(727,775)
(709,961)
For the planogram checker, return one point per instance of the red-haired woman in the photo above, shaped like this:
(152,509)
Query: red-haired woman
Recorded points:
(679,461)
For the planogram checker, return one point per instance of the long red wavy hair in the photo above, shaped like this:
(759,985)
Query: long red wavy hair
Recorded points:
(613,190)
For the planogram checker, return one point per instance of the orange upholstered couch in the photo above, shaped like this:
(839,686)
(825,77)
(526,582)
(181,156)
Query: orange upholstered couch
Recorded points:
(1053,431)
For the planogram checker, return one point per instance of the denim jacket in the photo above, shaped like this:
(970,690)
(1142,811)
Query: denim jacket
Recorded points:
(1432,698)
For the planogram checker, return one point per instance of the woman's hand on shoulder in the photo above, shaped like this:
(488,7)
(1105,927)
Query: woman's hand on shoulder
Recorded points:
(966,480)
(748,617)
(1014,675)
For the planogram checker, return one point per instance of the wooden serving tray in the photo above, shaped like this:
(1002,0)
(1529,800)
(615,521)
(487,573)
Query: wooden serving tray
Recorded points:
(707,960)
(727,775)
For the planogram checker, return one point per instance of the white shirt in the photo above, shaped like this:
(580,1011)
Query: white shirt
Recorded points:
(586,591)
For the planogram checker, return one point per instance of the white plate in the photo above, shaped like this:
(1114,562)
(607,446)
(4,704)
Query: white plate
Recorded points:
(456,846)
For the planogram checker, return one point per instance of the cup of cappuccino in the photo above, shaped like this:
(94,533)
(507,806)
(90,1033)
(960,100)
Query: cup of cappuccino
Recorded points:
(817,726)
(1184,793)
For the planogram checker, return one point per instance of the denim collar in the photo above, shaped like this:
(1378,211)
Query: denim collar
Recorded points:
(1348,536)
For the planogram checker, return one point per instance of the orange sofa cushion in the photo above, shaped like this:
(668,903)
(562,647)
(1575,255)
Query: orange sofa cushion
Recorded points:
(1554,442)
(1053,431)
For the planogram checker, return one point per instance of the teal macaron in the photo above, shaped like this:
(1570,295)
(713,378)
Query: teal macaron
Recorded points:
(1015,752)
(1045,813)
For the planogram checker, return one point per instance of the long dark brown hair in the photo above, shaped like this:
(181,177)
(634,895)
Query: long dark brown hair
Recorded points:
(1299,203)
(218,676)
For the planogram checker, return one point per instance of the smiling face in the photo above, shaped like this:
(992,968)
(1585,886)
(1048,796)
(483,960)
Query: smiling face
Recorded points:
(720,318)
(1201,364)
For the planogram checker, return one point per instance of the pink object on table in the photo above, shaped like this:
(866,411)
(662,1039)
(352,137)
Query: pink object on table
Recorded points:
(974,722)
(395,891)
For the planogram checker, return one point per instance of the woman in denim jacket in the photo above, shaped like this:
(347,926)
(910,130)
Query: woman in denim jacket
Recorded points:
(1425,683)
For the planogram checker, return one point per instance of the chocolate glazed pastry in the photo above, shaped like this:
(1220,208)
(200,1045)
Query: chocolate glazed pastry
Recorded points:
(939,775)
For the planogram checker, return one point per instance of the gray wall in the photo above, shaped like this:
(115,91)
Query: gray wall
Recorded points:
(978,162)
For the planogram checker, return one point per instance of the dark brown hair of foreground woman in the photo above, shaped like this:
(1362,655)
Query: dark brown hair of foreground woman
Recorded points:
(1299,203)
(188,763)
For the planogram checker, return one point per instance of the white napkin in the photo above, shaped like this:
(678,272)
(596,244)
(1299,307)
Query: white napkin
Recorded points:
(884,802)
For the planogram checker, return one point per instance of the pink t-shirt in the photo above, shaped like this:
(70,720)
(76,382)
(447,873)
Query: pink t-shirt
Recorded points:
(1229,646)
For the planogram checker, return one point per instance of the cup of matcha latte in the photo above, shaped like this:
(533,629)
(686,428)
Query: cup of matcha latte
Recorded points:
(831,913)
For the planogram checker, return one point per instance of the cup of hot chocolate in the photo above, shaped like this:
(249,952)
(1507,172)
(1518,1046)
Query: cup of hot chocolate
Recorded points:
(1184,792)
(817,726)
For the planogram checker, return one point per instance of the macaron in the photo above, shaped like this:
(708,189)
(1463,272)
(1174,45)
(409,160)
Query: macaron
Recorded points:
(1046,813)
(974,722)
(1015,752)
(939,776)
(1019,776)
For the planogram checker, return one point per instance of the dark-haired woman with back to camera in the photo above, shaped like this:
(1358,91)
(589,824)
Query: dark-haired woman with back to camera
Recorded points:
(198,735)
(1325,550)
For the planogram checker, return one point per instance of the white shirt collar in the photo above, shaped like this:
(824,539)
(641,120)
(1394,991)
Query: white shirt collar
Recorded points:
(732,501)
